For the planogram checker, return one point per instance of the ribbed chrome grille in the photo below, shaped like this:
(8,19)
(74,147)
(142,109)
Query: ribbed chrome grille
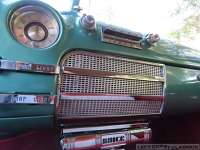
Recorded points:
(87,84)
(111,64)
(86,73)
(87,108)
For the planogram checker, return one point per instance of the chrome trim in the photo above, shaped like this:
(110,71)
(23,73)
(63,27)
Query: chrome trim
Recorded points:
(94,96)
(111,116)
(28,67)
(102,128)
(120,41)
(112,39)
(27,99)
(97,97)
(136,77)
(107,140)
(164,88)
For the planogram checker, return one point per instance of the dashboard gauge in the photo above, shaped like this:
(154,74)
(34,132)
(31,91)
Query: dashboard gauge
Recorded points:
(34,26)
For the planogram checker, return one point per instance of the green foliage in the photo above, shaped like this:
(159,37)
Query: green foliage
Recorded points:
(187,5)
(192,3)
(191,23)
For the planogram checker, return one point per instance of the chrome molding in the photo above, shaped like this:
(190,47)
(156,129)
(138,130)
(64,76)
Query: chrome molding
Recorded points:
(120,41)
(103,128)
(108,140)
(27,99)
(128,38)
(28,67)
(137,77)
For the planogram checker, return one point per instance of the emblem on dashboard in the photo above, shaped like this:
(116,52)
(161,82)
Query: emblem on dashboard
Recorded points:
(28,67)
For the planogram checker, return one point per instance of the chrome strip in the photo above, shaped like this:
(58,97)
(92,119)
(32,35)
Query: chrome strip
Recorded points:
(84,96)
(99,128)
(28,67)
(140,77)
(97,97)
(164,88)
(26,99)
(111,116)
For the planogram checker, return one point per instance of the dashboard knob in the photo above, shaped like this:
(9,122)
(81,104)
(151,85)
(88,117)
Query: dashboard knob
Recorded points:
(88,22)
(198,77)
(152,38)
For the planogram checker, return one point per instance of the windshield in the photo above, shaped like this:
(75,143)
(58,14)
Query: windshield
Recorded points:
(147,16)
(60,5)
(176,20)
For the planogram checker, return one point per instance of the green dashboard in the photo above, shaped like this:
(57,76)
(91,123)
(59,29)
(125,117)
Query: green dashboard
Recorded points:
(182,68)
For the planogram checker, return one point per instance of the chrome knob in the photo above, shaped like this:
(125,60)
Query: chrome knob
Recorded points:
(198,77)
(152,38)
(88,22)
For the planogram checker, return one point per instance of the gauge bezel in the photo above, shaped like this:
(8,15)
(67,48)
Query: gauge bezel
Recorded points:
(43,8)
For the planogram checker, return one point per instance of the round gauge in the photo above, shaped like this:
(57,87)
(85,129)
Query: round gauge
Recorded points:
(34,26)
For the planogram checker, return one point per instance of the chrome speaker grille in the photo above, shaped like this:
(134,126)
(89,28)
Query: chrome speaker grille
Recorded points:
(96,85)
(88,108)
(112,64)
(88,84)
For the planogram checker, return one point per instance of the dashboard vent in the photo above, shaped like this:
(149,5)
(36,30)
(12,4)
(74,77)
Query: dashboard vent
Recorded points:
(119,36)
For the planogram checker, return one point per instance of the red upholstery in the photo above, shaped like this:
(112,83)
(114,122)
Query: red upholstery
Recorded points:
(37,140)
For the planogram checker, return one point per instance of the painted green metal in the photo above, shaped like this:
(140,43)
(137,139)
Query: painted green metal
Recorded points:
(183,66)
(16,125)
(182,91)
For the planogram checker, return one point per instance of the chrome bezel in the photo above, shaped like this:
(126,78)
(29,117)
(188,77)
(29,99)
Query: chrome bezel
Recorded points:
(42,9)
(113,39)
